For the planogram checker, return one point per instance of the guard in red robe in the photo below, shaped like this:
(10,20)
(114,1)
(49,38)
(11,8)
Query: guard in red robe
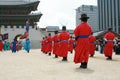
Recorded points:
(109,44)
(49,44)
(63,49)
(56,44)
(92,40)
(42,45)
(82,33)
(71,44)
(46,47)
(1,43)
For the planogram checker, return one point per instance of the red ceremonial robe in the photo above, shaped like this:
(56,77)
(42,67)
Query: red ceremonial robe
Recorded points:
(16,45)
(49,44)
(43,45)
(63,49)
(82,44)
(92,40)
(46,45)
(108,49)
(71,43)
(1,45)
(56,44)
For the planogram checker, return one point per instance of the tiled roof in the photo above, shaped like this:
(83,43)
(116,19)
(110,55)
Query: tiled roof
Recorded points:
(16,2)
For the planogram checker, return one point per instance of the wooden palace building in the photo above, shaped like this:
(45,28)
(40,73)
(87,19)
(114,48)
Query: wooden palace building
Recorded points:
(15,13)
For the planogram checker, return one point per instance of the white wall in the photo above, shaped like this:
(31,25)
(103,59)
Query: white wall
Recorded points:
(35,36)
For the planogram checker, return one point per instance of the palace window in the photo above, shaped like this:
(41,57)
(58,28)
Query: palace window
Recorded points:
(83,7)
(91,8)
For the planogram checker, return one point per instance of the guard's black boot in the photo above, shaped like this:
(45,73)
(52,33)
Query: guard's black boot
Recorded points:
(91,55)
(49,54)
(64,59)
(84,65)
(56,56)
(109,58)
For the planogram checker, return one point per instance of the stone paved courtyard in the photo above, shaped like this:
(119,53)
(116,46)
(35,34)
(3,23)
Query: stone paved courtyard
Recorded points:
(38,66)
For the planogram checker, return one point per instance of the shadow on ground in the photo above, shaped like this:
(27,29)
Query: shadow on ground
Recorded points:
(86,71)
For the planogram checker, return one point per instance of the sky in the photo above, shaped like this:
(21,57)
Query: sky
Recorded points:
(60,12)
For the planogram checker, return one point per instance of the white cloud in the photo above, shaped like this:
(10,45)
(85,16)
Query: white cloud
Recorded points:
(60,12)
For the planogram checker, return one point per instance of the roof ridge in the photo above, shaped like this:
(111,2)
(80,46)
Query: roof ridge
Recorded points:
(18,0)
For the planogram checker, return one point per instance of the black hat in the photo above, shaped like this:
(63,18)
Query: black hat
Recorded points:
(109,29)
(56,32)
(84,16)
(63,27)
